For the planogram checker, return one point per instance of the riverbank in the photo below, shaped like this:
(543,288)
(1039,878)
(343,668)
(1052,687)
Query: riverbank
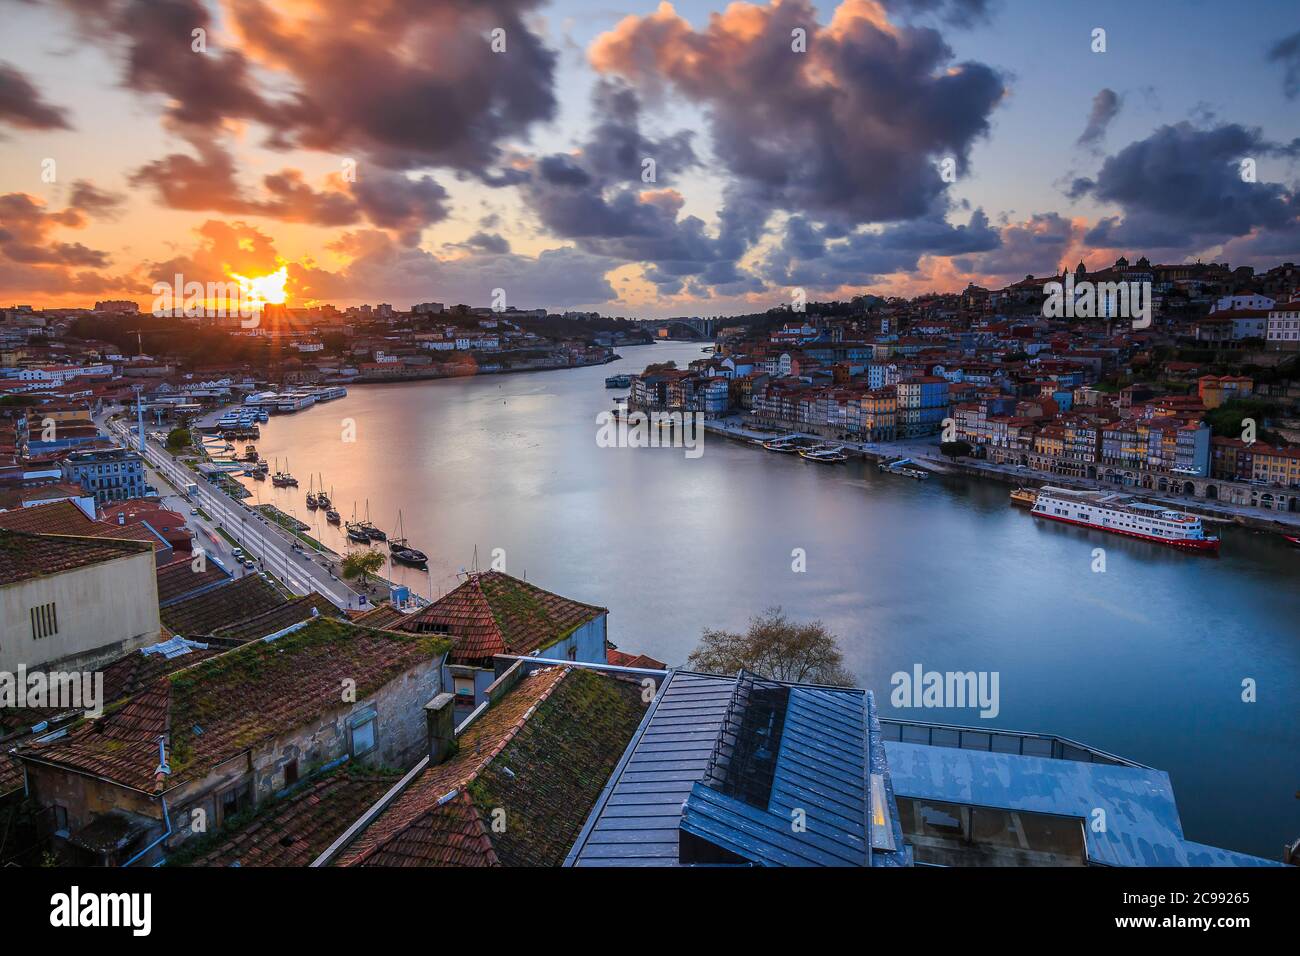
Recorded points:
(925,452)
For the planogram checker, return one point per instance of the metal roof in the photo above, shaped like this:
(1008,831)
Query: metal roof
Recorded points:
(668,782)
(1142,823)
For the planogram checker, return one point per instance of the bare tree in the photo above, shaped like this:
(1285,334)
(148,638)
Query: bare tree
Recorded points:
(774,646)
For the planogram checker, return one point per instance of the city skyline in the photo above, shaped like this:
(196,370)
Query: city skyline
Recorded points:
(696,158)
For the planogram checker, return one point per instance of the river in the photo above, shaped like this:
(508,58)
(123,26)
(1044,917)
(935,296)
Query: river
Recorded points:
(1146,659)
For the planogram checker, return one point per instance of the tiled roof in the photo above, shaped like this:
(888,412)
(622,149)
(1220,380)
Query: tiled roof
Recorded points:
(614,656)
(540,754)
(295,830)
(278,618)
(25,556)
(494,613)
(384,616)
(236,700)
(223,606)
(57,517)
(178,579)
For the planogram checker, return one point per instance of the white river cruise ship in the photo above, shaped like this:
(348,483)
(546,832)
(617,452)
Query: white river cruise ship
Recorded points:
(1124,514)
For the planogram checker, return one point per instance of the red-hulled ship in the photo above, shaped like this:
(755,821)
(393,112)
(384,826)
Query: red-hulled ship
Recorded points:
(1126,515)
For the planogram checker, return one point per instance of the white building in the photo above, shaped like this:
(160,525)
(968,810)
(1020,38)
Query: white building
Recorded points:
(1284,326)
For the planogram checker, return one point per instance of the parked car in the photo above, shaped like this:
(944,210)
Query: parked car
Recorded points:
(249,564)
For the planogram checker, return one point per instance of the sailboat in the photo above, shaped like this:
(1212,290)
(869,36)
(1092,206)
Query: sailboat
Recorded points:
(356,530)
(322,499)
(282,479)
(400,549)
(313,502)
(371,531)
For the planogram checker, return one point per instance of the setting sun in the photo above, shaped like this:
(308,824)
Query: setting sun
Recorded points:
(258,291)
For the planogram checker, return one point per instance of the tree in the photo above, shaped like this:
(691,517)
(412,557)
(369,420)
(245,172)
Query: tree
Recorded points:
(362,564)
(177,439)
(774,646)
(956,449)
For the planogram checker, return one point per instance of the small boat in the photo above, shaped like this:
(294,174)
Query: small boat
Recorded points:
(826,454)
(618,381)
(250,453)
(357,533)
(332,516)
(312,501)
(1292,540)
(790,445)
(373,533)
(402,551)
(1024,497)
(322,499)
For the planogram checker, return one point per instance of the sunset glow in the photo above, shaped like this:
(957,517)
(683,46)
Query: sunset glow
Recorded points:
(258,291)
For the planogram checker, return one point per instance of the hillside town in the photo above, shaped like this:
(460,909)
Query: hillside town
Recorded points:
(1202,403)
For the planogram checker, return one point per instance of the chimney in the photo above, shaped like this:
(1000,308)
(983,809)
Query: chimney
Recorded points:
(440,721)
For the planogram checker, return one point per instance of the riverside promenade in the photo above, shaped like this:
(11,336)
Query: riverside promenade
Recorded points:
(924,451)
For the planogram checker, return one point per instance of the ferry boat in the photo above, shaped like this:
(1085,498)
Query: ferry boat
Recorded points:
(789,444)
(619,381)
(826,454)
(901,466)
(1124,514)
(1024,497)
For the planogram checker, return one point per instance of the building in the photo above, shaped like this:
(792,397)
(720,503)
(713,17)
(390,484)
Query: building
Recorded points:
(493,613)
(73,601)
(1215,390)
(199,747)
(111,475)
(922,405)
(1284,327)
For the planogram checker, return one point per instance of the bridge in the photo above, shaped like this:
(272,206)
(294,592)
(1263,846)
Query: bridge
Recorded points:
(679,326)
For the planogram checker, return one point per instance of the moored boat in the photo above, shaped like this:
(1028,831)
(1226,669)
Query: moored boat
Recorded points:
(1024,497)
(401,550)
(1292,540)
(333,516)
(1125,514)
(826,454)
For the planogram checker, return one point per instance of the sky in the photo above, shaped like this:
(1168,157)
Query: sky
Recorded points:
(642,159)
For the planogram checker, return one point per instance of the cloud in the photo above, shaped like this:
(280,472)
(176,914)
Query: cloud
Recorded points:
(403,84)
(1287,52)
(32,260)
(851,129)
(22,106)
(209,182)
(1182,187)
(1105,107)
(958,13)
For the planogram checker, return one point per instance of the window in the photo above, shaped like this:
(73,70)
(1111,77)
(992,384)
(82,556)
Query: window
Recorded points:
(573,652)
(291,772)
(60,819)
(363,737)
(45,621)
(233,802)
(463,687)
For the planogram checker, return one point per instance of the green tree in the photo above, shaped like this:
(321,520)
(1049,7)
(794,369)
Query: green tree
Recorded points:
(774,646)
(177,439)
(362,564)
(956,449)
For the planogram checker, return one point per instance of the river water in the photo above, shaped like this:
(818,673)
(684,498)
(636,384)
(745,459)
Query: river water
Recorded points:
(1146,659)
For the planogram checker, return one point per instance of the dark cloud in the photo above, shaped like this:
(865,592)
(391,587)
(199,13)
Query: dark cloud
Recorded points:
(1287,52)
(1033,247)
(488,242)
(1105,107)
(404,84)
(1183,187)
(94,201)
(208,182)
(22,105)
(26,229)
(851,129)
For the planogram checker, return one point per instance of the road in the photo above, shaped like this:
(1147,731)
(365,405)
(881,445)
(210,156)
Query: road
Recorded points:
(275,549)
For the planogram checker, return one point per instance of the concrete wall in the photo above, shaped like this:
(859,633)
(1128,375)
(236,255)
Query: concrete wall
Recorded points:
(103,611)
(588,640)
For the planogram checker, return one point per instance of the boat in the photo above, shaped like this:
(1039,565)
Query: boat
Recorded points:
(826,454)
(322,499)
(619,381)
(1125,514)
(790,444)
(1024,497)
(332,516)
(355,529)
(313,502)
(372,532)
(901,466)
(1292,540)
(401,550)
(282,479)
(250,453)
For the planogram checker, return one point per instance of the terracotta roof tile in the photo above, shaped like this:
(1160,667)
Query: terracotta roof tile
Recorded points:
(25,556)
(280,617)
(237,700)
(541,754)
(223,606)
(58,517)
(494,613)
(178,579)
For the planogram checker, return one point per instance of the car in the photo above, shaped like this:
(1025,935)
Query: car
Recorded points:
(194,511)
(249,564)
(238,553)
